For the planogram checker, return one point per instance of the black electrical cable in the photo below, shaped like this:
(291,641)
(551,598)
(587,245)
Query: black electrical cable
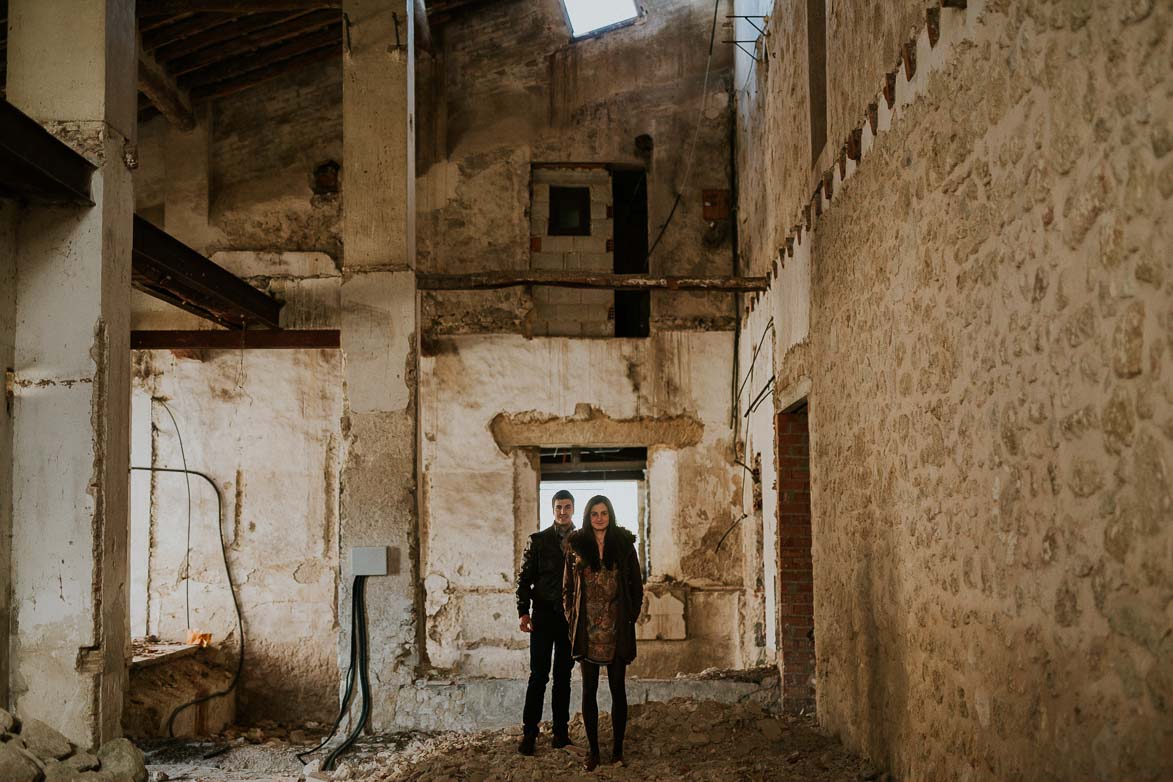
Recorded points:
(349,690)
(187,479)
(359,623)
(231,588)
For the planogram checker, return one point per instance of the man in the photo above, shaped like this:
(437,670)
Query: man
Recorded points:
(540,583)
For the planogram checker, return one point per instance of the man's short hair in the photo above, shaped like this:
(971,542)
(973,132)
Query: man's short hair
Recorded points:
(562,495)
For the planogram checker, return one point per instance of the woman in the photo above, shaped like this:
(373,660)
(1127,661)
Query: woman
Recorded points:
(602,593)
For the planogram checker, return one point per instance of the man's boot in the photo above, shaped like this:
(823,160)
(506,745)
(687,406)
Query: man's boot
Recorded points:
(561,739)
(527,744)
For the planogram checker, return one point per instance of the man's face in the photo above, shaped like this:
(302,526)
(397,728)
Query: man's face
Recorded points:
(563,512)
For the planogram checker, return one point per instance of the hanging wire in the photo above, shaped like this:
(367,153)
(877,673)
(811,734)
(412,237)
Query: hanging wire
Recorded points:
(187,539)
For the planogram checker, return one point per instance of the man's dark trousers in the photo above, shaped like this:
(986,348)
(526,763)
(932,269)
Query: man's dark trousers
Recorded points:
(550,634)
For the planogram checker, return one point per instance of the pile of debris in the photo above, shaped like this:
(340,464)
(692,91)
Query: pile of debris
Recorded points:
(34,752)
(683,740)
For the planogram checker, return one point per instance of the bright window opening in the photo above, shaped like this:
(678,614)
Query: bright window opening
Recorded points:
(624,495)
(589,16)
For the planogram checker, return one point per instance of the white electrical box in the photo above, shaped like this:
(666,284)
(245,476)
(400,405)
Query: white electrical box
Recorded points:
(368,561)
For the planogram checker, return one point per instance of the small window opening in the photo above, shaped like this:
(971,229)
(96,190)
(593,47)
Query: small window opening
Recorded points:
(570,211)
(592,16)
(618,473)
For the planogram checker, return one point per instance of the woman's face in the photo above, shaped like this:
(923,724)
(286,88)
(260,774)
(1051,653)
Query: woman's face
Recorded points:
(600,518)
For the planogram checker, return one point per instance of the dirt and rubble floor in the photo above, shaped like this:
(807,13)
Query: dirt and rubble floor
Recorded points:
(679,740)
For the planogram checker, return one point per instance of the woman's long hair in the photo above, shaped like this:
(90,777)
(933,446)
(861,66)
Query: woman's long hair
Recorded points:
(611,539)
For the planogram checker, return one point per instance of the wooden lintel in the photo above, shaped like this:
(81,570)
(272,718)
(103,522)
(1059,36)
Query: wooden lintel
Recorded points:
(627,282)
(251,339)
(164,92)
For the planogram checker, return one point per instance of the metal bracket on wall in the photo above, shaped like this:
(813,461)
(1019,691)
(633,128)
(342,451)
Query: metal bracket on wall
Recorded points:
(761,34)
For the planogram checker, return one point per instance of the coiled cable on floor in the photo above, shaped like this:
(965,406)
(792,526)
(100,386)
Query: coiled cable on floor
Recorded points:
(359,661)
(231,588)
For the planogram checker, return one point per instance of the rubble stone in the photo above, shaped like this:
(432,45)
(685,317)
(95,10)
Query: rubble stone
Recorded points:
(15,766)
(44,741)
(123,759)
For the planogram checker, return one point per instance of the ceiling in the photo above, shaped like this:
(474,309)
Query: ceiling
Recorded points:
(196,50)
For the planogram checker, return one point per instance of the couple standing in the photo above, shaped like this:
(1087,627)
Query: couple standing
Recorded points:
(586,591)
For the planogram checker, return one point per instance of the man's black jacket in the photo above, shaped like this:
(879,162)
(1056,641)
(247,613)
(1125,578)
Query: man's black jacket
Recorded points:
(540,578)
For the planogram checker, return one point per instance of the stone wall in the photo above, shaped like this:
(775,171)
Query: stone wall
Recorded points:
(508,88)
(486,400)
(988,362)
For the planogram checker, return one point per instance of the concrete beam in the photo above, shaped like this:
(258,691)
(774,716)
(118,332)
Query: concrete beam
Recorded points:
(161,88)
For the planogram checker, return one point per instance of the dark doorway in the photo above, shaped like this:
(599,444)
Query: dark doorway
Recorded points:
(629,196)
(796,612)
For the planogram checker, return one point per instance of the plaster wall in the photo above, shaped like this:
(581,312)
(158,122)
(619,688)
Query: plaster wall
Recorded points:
(509,88)
(991,427)
(264,426)
(482,398)
(759,497)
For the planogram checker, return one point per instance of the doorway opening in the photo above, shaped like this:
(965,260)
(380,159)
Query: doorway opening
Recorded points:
(796,615)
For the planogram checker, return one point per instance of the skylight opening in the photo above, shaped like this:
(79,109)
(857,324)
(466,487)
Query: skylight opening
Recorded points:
(590,16)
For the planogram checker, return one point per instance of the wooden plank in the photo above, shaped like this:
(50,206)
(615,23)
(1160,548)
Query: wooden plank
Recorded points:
(629,282)
(176,7)
(219,35)
(253,78)
(331,36)
(295,26)
(179,30)
(270,339)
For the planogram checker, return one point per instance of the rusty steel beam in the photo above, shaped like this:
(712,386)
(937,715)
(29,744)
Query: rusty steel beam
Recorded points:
(166,268)
(163,91)
(37,165)
(246,339)
(176,7)
(484,281)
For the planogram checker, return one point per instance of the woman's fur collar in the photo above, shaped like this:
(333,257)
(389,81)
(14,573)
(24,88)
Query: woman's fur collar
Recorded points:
(582,543)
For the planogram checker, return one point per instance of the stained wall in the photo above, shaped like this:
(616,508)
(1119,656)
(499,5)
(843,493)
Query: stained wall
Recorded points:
(987,353)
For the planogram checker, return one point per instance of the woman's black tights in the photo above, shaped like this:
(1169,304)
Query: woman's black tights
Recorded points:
(616,674)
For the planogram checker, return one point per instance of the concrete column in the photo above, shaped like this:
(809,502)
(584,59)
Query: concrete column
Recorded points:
(379,335)
(71,66)
(8,212)
(187,161)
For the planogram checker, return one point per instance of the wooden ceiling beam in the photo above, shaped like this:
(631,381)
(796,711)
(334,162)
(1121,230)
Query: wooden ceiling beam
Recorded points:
(253,78)
(186,28)
(258,39)
(331,36)
(220,34)
(160,86)
(175,7)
